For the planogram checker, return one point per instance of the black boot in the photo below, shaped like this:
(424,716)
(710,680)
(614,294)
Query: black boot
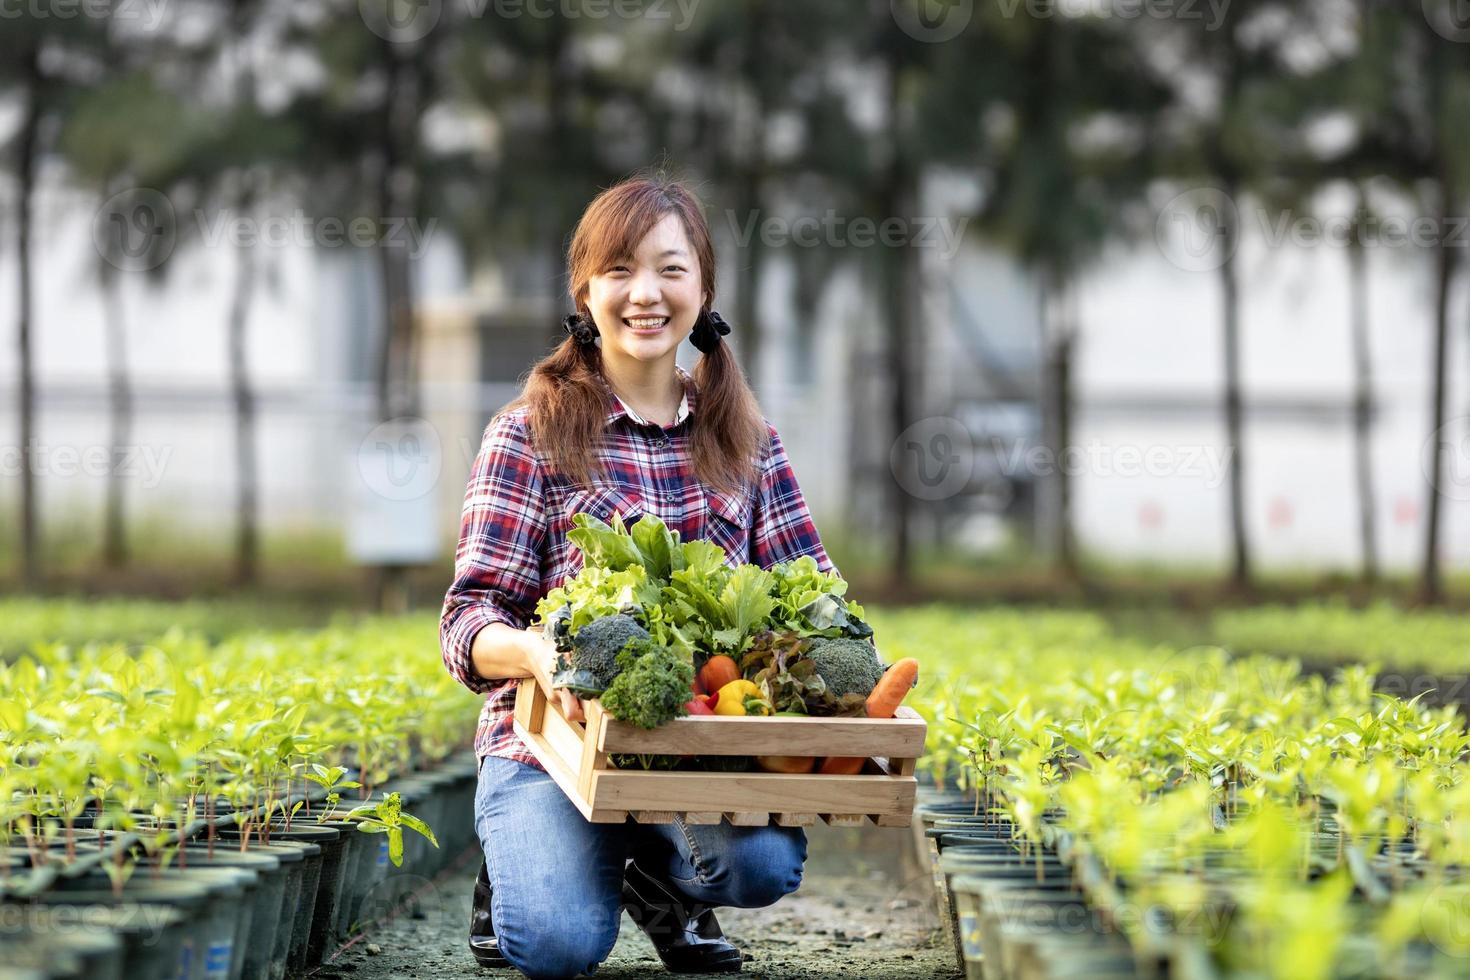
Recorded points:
(482,932)
(685,933)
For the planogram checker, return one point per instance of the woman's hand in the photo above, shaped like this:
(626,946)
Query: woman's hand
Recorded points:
(544,651)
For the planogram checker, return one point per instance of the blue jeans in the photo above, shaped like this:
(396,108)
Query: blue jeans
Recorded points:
(557,880)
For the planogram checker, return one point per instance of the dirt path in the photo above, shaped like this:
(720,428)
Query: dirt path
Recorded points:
(866,919)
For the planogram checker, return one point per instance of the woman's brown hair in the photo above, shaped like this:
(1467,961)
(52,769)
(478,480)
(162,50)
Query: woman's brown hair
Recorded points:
(566,393)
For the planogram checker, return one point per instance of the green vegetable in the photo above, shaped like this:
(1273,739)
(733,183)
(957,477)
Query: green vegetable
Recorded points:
(848,665)
(831,616)
(685,594)
(592,663)
(652,685)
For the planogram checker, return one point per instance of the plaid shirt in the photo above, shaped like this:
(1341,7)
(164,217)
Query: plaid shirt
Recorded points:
(512,539)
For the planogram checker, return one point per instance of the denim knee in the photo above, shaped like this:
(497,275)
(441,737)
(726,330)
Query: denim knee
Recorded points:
(555,950)
(760,871)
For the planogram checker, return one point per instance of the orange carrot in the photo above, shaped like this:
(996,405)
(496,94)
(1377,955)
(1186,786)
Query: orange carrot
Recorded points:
(895,683)
(842,765)
(786,763)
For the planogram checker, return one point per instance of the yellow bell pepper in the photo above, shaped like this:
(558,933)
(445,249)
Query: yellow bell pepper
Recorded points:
(742,698)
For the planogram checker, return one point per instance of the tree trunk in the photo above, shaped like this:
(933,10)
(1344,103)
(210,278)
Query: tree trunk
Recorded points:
(1431,586)
(1362,397)
(1059,333)
(247,505)
(26,146)
(1240,571)
(747,278)
(120,413)
(397,391)
(397,199)
(902,341)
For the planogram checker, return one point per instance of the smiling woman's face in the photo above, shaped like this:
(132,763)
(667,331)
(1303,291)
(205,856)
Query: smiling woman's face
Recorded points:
(645,304)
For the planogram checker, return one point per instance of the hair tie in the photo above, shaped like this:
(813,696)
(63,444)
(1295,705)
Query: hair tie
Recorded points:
(708,330)
(580,326)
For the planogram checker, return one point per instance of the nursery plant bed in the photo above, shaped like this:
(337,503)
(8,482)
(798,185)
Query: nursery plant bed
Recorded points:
(575,754)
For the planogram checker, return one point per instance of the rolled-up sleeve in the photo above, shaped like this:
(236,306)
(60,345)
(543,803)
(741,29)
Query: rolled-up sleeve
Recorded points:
(782,528)
(497,564)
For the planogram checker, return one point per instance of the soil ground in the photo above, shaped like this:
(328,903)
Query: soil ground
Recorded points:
(869,917)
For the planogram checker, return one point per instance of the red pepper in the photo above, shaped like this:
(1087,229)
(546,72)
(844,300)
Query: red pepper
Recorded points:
(701,704)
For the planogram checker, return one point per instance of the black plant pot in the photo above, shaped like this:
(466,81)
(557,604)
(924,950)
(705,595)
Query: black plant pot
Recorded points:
(321,870)
(365,862)
(213,898)
(979,957)
(274,864)
(152,923)
(62,956)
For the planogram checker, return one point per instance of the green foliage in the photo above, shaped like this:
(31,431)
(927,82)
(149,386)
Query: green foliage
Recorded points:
(1288,824)
(778,661)
(848,665)
(1335,632)
(387,817)
(652,686)
(592,663)
(686,595)
(152,732)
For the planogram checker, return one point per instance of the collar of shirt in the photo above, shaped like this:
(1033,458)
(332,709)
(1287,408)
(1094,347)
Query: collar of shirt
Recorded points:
(617,409)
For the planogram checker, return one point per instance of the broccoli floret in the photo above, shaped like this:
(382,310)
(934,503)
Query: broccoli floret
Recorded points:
(592,663)
(652,685)
(847,665)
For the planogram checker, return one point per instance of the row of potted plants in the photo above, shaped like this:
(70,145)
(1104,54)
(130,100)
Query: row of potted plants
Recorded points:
(228,809)
(1220,816)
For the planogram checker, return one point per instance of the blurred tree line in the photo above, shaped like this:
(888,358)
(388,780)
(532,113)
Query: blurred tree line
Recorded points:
(501,122)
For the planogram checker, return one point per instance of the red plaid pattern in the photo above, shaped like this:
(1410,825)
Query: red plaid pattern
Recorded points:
(512,539)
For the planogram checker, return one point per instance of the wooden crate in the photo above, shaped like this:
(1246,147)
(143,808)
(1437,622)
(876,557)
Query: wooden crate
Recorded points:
(575,754)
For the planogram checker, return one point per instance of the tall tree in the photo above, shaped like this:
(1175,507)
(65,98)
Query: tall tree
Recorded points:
(41,57)
(121,135)
(1226,69)
(1071,156)
(1406,90)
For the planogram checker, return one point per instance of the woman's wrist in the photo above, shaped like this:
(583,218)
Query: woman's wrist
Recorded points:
(502,652)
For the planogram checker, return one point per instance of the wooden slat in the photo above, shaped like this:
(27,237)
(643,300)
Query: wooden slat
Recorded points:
(740,818)
(795,819)
(565,738)
(721,735)
(891,819)
(591,760)
(845,819)
(530,706)
(555,767)
(748,792)
(575,755)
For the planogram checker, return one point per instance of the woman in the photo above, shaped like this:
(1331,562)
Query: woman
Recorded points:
(608,422)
